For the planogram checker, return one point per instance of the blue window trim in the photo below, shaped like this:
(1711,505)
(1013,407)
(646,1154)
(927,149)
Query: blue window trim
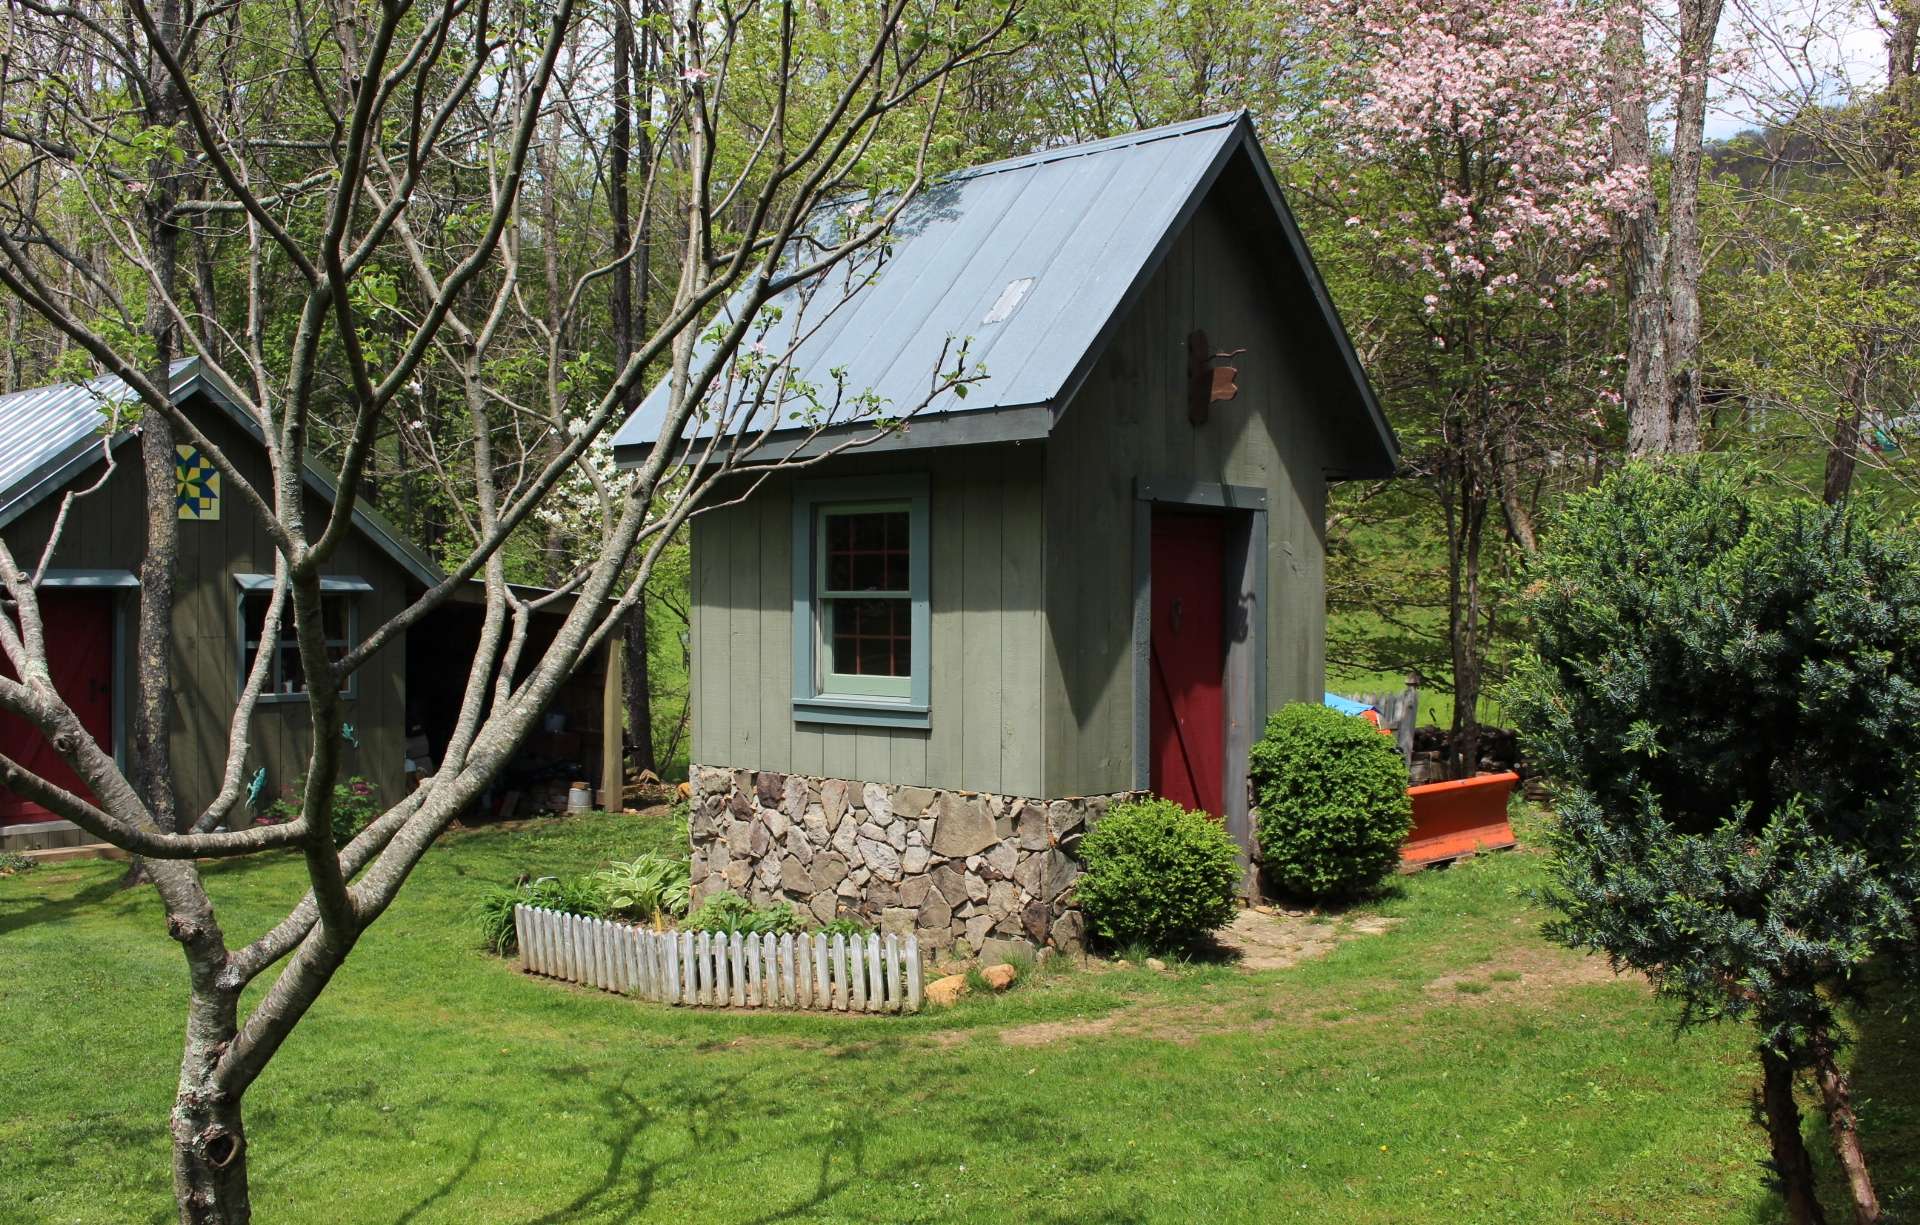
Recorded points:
(810,705)
(346,586)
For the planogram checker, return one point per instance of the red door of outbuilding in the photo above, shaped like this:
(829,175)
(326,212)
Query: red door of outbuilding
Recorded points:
(1187,665)
(79,630)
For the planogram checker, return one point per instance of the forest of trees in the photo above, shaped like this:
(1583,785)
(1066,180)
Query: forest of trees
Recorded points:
(1545,262)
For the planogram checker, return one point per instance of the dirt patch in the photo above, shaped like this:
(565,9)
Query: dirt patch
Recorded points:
(1521,972)
(1262,939)
(1046,1033)
(1256,940)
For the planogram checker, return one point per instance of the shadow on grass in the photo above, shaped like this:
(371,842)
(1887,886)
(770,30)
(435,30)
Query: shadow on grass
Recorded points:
(1886,1088)
(19,913)
(452,1180)
(1884,1064)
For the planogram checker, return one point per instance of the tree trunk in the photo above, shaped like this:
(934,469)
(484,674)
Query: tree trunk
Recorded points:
(153,690)
(629,318)
(1836,1093)
(1843,453)
(1896,127)
(1463,623)
(209,1141)
(1791,1164)
(1642,260)
(209,1145)
(1699,21)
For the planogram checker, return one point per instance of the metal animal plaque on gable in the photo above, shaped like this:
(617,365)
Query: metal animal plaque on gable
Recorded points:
(1206,382)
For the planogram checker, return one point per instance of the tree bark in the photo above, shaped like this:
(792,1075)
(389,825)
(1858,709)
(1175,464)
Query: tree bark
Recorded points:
(153,689)
(1791,1164)
(1836,1093)
(1467,531)
(209,1137)
(1843,453)
(1699,21)
(1642,257)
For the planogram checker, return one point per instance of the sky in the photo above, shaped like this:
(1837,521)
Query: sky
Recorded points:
(1795,49)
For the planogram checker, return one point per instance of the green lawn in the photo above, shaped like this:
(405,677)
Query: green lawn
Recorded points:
(1456,1068)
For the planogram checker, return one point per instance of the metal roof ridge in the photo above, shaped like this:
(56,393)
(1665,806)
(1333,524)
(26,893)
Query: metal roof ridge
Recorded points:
(1089,148)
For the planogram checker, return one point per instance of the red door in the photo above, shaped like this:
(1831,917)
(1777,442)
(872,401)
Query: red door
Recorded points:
(1186,717)
(79,630)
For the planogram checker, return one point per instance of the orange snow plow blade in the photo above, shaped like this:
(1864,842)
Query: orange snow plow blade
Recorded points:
(1457,818)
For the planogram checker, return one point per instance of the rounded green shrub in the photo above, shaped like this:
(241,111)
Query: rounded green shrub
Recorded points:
(1332,798)
(1157,874)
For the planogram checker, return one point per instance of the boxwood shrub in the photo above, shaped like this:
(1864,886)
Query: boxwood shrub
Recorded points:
(1157,874)
(1332,798)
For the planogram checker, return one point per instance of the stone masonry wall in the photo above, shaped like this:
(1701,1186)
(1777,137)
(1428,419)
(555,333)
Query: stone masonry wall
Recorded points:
(972,873)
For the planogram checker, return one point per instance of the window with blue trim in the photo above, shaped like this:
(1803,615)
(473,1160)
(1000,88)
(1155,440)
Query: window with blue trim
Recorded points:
(286,671)
(860,608)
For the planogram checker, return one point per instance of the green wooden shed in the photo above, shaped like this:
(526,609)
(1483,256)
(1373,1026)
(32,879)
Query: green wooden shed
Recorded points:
(922,666)
(63,452)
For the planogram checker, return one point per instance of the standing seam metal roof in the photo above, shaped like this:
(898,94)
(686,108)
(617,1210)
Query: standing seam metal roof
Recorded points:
(1085,223)
(49,435)
(44,429)
(1080,225)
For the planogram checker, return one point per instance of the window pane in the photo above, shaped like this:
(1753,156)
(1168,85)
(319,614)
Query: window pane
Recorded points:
(868,551)
(253,607)
(288,676)
(333,617)
(872,637)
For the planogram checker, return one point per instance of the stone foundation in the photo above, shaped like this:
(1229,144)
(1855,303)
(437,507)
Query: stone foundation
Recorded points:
(972,873)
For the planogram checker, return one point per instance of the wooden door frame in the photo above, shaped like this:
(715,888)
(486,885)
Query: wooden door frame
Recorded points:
(1244,694)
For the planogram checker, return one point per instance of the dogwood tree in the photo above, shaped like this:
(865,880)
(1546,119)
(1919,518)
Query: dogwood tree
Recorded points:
(360,180)
(1481,197)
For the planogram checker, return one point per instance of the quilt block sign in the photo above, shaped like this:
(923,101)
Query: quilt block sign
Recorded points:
(196,493)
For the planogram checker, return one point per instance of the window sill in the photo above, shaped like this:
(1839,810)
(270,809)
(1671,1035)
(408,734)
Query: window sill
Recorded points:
(859,712)
(275,699)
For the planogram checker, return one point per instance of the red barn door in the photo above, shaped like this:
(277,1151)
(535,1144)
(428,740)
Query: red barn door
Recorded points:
(79,629)
(1186,715)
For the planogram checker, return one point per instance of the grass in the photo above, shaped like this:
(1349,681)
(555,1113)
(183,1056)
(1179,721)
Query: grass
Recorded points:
(434,1083)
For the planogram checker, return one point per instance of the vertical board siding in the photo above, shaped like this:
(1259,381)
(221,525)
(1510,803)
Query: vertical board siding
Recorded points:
(986,584)
(107,530)
(871,974)
(1129,421)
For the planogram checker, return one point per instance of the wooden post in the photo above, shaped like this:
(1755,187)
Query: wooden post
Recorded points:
(613,708)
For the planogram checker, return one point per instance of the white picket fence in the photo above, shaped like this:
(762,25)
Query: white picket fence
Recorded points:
(713,970)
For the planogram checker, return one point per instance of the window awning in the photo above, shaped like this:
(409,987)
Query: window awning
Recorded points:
(328,582)
(89,578)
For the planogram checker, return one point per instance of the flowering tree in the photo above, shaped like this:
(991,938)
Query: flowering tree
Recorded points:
(1481,198)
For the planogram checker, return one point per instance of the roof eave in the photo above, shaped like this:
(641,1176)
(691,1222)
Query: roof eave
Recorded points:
(372,524)
(974,427)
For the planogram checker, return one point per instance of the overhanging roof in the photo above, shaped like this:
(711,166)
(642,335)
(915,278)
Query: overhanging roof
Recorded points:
(50,435)
(1033,262)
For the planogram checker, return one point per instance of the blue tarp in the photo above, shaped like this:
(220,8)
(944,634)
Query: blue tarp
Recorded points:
(1346,706)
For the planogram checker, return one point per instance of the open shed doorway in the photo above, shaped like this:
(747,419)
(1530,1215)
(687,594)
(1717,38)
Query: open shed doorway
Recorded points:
(572,742)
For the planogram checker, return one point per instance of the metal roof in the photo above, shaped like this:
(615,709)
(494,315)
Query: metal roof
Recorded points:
(50,435)
(1032,261)
(44,431)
